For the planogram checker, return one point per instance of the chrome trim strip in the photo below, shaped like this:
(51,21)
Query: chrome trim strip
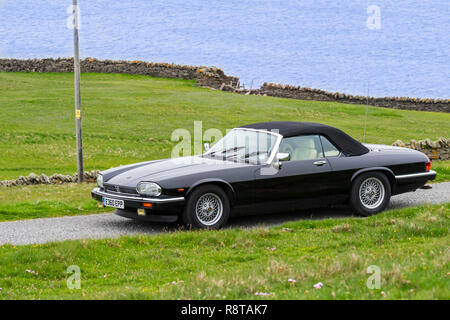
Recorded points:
(276,147)
(416,175)
(123,197)
(259,130)
(121,193)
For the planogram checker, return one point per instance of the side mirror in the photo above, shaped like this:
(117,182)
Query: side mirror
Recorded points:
(281,157)
(206,146)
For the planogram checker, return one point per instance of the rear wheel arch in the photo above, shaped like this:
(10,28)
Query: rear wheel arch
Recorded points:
(386,171)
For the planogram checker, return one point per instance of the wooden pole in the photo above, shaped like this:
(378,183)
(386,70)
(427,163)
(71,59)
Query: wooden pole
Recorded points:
(76,64)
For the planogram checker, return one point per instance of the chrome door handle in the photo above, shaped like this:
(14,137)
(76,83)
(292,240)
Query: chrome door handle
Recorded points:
(319,163)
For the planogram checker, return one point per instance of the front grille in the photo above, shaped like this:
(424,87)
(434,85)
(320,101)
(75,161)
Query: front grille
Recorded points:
(120,189)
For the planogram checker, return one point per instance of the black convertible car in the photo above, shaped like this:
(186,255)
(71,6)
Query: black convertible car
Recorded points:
(264,167)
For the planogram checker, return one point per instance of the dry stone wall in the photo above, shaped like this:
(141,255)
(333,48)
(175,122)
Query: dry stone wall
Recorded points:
(435,150)
(33,179)
(209,76)
(297,92)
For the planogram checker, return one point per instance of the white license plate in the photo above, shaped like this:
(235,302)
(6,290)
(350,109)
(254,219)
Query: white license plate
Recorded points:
(108,202)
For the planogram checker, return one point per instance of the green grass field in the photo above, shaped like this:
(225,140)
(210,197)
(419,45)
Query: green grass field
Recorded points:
(410,246)
(129,118)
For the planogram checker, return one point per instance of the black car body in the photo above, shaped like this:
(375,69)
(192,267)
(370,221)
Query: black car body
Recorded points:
(297,166)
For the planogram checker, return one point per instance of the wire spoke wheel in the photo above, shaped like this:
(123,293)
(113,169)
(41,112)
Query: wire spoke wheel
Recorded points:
(209,209)
(371,193)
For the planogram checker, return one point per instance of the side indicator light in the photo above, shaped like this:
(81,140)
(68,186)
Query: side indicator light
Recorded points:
(181,190)
(141,212)
(428,166)
(147,205)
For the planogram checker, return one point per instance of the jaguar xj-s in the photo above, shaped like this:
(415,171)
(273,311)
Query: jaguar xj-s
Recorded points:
(264,167)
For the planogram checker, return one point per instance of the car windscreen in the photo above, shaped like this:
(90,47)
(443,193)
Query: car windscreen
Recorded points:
(242,145)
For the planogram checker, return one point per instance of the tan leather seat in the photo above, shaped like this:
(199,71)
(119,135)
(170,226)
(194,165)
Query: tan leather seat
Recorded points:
(305,150)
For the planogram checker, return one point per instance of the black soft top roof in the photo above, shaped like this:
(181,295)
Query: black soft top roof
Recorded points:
(347,144)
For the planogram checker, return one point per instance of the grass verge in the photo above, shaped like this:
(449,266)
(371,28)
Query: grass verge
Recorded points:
(410,246)
(45,201)
(442,169)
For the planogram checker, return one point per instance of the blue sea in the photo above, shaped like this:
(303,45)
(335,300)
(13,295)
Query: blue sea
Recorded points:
(400,48)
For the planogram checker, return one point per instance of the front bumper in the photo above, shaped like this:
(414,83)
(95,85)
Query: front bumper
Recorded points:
(162,209)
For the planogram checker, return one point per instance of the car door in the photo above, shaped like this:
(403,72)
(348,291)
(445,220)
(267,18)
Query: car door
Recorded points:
(339,178)
(304,178)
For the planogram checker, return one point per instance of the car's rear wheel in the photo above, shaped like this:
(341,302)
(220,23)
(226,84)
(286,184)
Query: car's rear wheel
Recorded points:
(370,193)
(207,207)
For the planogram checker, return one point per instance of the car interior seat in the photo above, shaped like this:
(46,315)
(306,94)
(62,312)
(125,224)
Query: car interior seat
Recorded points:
(305,149)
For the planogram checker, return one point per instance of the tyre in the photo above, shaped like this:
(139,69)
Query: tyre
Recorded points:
(370,193)
(207,207)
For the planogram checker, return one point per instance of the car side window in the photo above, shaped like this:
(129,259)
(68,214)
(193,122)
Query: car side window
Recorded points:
(302,147)
(328,148)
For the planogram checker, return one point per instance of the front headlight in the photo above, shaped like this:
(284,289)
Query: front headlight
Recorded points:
(148,189)
(100,180)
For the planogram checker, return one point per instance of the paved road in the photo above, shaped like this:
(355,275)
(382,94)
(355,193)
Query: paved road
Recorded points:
(109,225)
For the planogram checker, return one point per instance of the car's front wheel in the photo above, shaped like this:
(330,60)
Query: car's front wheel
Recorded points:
(370,193)
(207,207)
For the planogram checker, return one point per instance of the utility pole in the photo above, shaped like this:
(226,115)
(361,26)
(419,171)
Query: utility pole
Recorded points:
(76,65)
